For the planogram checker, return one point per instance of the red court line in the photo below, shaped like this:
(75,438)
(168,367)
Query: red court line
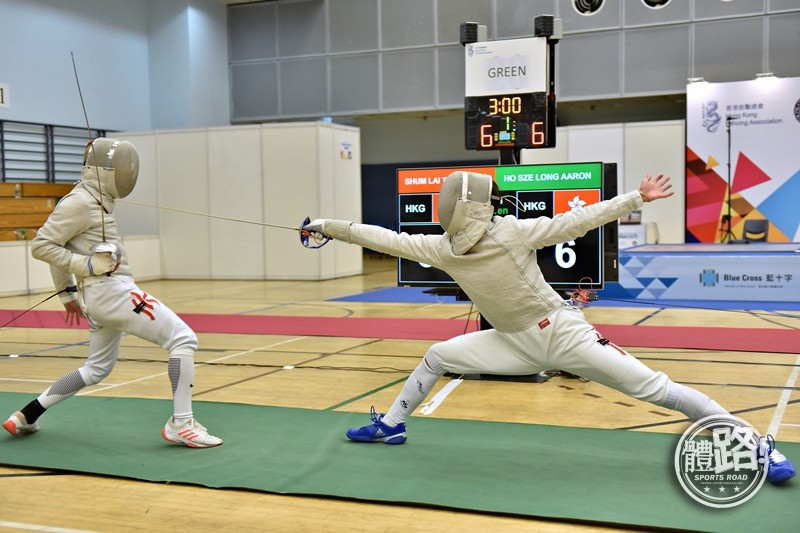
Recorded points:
(704,338)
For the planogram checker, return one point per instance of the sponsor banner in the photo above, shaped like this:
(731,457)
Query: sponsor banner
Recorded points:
(755,277)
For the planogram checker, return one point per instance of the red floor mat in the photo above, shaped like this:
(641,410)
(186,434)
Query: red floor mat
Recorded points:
(705,338)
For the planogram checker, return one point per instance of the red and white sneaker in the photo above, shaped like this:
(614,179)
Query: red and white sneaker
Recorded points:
(191,433)
(18,425)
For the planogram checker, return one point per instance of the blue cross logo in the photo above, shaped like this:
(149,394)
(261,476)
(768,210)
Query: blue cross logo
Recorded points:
(709,278)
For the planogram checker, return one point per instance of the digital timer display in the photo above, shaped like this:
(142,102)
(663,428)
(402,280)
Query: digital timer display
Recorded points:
(508,121)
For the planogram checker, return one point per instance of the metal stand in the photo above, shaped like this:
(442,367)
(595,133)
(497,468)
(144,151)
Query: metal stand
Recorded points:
(726,223)
(509,156)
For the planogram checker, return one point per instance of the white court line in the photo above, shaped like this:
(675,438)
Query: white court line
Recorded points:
(780,409)
(430,407)
(37,527)
(106,387)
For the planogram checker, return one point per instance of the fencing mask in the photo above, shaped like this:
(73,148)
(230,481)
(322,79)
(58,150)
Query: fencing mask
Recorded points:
(465,208)
(116,163)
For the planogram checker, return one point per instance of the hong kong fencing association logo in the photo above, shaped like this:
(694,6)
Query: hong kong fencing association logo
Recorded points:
(711,118)
(720,461)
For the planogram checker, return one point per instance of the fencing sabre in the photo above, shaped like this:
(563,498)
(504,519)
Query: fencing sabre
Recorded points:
(305,236)
(102,246)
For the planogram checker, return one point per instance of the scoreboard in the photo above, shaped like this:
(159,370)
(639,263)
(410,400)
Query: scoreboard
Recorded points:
(509,94)
(537,190)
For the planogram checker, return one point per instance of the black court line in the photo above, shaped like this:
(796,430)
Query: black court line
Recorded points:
(750,385)
(648,317)
(755,363)
(279,369)
(687,420)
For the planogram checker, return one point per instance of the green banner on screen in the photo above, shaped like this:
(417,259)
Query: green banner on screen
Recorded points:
(550,177)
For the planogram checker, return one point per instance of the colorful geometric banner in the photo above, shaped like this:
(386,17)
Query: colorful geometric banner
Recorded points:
(742,158)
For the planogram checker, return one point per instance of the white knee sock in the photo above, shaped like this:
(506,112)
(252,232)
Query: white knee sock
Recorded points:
(181,376)
(693,403)
(415,390)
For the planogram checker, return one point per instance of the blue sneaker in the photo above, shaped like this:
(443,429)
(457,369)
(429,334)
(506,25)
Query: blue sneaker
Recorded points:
(780,468)
(378,431)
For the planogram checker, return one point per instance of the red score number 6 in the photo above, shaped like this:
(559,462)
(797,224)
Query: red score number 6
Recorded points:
(486,138)
(537,135)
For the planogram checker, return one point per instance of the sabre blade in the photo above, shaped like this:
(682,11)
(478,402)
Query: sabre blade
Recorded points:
(219,217)
(91,147)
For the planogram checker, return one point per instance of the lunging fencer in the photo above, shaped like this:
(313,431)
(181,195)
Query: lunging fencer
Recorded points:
(493,260)
(90,270)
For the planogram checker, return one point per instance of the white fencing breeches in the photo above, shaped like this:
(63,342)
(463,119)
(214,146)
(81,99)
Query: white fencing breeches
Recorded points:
(563,341)
(116,306)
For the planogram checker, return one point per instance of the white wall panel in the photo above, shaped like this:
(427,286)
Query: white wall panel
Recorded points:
(542,156)
(304,175)
(235,191)
(38,273)
(346,165)
(183,184)
(327,188)
(291,192)
(599,143)
(12,257)
(658,148)
(144,256)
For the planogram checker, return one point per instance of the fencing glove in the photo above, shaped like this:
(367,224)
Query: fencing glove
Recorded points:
(102,263)
(316,228)
(105,260)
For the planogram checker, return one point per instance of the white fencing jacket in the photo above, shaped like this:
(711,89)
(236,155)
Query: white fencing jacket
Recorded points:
(75,225)
(499,272)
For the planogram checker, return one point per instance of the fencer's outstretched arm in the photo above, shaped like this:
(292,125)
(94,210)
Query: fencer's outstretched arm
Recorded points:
(536,232)
(418,247)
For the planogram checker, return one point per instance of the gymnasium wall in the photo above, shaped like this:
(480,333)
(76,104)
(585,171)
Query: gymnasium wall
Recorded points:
(142,64)
(365,57)
(245,176)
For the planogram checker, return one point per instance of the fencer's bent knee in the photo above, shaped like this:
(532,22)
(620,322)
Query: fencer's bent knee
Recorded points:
(432,362)
(183,343)
(653,389)
(93,374)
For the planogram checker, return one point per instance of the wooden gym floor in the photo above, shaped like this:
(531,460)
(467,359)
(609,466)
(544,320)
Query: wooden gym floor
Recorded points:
(344,369)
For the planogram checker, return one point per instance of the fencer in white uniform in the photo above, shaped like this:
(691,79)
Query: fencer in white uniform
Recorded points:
(493,260)
(91,273)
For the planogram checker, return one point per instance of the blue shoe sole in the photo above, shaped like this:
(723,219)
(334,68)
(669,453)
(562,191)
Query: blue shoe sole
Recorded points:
(780,476)
(398,439)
